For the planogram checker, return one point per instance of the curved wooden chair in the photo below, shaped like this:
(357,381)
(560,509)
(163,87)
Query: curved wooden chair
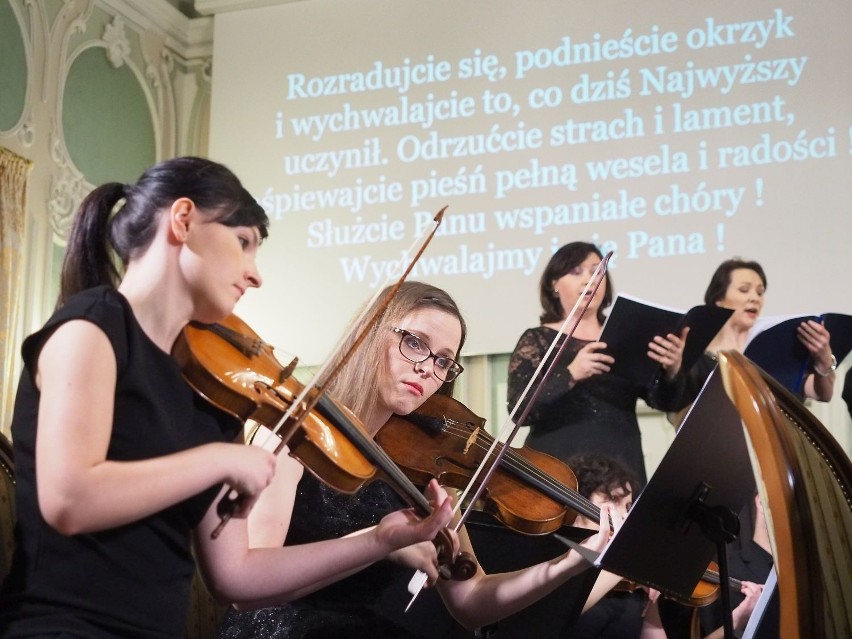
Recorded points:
(7,505)
(805,481)
(205,613)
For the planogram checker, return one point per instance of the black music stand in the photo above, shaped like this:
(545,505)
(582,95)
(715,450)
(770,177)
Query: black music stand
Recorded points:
(687,512)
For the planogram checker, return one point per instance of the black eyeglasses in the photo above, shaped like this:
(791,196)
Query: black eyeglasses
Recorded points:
(415,350)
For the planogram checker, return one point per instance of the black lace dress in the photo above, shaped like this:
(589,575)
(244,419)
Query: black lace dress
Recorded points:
(597,415)
(370,603)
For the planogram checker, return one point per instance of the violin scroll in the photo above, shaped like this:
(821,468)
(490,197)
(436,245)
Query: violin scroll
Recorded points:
(463,568)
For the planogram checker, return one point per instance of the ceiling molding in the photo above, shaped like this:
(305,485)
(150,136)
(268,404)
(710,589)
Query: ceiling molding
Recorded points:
(212,7)
(188,37)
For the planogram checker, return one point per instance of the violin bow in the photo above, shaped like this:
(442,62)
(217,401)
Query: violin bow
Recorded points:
(419,579)
(312,392)
(328,372)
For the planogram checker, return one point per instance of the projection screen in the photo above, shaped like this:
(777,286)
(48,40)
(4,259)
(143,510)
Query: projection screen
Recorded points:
(676,135)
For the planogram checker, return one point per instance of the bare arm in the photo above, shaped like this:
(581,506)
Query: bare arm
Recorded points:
(248,565)
(484,598)
(79,490)
(741,613)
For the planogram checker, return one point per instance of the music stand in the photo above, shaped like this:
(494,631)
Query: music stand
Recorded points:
(763,621)
(687,513)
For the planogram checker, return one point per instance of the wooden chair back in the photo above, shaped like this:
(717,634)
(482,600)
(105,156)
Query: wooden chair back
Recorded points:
(7,505)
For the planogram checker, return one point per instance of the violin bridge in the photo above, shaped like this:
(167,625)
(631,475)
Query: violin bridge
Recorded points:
(288,370)
(471,440)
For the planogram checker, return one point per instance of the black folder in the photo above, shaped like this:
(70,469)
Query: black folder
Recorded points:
(633,323)
(776,348)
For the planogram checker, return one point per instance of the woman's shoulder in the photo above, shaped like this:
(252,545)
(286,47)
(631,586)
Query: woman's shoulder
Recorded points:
(95,304)
(540,331)
(103,306)
(534,336)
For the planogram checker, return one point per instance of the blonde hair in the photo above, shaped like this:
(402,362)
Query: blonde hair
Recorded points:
(357,383)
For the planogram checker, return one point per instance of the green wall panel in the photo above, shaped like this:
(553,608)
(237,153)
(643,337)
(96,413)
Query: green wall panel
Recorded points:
(107,124)
(13,69)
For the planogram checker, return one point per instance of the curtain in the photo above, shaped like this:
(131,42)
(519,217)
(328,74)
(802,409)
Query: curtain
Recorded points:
(14,171)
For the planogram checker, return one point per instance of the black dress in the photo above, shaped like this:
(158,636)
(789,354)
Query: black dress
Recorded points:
(369,603)
(597,415)
(372,602)
(132,580)
(695,378)
(618,615)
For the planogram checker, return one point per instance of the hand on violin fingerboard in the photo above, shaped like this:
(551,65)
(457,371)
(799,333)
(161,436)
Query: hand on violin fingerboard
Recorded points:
(600,539)
(403,527)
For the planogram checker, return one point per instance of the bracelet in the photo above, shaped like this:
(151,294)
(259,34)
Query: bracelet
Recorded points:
(830,370)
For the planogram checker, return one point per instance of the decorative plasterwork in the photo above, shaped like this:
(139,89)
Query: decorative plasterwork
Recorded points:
(191,37)
(117,44)
(68,187)
(24,129)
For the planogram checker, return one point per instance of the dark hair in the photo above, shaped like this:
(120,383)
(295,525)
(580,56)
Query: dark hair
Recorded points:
(560,263)
(600,473)
(98,239)
(721,279)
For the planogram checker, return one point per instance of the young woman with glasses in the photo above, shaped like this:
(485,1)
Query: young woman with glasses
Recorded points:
(409,354)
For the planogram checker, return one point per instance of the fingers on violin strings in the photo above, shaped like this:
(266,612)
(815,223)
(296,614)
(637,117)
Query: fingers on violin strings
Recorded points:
(606,523)
(616,518)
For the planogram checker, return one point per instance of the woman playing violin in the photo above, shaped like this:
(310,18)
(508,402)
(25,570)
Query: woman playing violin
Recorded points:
(607,613)
(613,611)
(411,352)
(117,460)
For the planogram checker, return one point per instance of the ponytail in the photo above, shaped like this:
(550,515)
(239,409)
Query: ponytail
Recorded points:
(89,260)
(101,245)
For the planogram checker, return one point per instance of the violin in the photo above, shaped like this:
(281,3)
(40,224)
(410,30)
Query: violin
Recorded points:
(531,492)
(236,371)
(706,591)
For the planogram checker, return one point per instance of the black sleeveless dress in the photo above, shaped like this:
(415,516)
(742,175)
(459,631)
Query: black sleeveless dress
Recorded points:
(370,603)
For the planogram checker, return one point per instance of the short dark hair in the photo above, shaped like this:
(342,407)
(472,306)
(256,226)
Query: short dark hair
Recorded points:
(721,279)
(562,261)
(600,473)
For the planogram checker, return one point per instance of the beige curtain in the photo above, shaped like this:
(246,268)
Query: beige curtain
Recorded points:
(14,171)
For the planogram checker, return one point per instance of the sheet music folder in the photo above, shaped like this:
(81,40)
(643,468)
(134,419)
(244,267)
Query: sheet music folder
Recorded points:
(632,323)
(659,545)
(775,347)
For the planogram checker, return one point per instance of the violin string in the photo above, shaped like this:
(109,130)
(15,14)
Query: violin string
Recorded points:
(376,454)
(419,579)
(572,498)
(525,469)
(593,283)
